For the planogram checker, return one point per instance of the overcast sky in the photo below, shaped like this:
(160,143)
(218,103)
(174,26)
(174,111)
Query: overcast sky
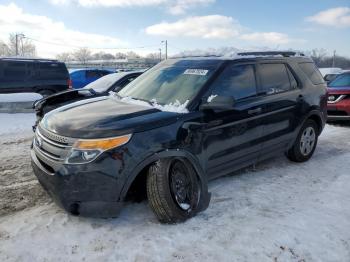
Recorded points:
(64,25)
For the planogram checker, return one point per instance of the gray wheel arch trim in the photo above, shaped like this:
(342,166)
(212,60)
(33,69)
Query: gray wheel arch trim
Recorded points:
(312,113)
(205,195)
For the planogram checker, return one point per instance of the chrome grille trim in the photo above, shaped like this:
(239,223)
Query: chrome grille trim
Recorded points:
(52,142)
(53,149)
(47,154)
(56,138)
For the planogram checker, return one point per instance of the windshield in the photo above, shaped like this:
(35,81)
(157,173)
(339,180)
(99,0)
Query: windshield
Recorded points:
(341,81)
(171,81)
(104,83)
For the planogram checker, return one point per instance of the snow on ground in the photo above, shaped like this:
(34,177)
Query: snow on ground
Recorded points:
(20,97)
(279,211)
(16,123)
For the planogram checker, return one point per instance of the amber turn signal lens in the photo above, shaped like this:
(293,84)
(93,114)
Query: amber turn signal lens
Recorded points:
(102,144)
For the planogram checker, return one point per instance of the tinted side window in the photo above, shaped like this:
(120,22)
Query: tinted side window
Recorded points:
(127,81)
(103,73)
(237,81)
(312,73)
(274,78)
(50,71)
(93,74)
(15,71)
(342,80)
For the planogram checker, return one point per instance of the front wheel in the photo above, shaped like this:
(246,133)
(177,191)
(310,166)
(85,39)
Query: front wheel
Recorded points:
(305,144)
(173,190)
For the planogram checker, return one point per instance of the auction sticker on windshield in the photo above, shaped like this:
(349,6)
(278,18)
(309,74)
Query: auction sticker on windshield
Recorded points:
(200,72)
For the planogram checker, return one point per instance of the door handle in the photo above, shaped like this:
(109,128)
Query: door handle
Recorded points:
(254,111)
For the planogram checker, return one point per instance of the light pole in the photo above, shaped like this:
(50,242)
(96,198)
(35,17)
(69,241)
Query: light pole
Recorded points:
(17,38)
(166,48)
(160,54)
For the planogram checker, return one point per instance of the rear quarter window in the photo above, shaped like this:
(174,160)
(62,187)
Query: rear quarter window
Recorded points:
(312,73)
(53,71)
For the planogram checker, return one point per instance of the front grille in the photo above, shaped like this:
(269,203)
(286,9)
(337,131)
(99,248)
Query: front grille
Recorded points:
(50,146)
(54,137)
(48,167)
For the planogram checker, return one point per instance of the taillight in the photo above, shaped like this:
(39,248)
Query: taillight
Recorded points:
(69,82)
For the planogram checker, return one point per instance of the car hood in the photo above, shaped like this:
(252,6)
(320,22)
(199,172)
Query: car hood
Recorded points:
(338,90)
(64,95)
(104,117)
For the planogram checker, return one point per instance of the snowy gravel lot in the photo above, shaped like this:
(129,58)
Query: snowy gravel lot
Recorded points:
(279,211)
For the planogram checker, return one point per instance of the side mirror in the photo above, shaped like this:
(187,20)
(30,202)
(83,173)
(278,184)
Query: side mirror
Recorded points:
(219,103)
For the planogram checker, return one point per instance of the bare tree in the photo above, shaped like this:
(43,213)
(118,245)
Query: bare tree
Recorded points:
(24,46)
(132,55)
(82,55)
(64,57)
(153,56)
(318,55)
(4,49)
(120,55)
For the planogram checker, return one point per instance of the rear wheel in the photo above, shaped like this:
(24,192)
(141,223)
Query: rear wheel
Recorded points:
(173,190)
(305,144)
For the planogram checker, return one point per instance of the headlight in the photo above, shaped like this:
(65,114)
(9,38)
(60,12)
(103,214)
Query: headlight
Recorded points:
(87,150)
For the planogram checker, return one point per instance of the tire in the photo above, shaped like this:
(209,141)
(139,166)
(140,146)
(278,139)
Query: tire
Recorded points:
(173,190)
(306,142)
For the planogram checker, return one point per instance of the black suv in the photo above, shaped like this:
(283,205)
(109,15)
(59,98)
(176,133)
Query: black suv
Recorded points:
(18,75)
(180,124)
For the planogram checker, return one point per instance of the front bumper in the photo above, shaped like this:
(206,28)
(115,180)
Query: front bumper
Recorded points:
(78,191)
(339,110)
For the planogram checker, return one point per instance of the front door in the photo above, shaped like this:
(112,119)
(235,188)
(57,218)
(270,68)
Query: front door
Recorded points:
(232,139)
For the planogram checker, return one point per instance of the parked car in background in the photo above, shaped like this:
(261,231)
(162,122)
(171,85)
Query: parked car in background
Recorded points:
(46,77)
(330,73)
(83,77)
(180,124)
(339,98)
(101,87)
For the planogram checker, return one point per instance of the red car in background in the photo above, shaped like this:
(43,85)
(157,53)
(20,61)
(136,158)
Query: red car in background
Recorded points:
(338,106)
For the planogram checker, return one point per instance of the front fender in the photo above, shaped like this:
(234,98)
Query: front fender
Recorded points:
(205,195)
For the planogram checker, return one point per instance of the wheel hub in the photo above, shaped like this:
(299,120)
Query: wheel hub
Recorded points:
(181,186)
(307,141)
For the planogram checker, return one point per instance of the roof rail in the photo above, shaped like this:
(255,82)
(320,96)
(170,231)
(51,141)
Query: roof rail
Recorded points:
(27,59)
(272,53)
(196,56)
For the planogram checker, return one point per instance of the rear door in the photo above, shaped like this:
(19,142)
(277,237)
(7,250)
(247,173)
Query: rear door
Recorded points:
(280,93)
(232,139)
